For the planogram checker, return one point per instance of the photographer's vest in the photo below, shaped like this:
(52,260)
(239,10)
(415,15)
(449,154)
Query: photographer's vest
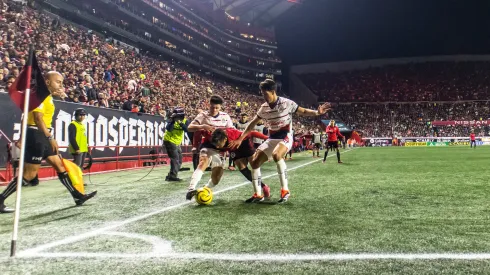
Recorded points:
(80,137)
(176,136)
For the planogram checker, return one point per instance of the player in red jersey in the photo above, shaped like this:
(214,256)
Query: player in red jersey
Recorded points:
(472,140)
(332,141)
(219,140)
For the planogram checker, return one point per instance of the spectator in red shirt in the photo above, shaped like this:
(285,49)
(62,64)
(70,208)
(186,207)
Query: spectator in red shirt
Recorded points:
(332,141)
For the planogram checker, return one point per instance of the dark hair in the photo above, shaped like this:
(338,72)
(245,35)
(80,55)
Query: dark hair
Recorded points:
(267,85)
(216,99)
(217,136)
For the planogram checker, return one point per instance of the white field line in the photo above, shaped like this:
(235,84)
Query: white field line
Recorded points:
(268,257)
(101,230)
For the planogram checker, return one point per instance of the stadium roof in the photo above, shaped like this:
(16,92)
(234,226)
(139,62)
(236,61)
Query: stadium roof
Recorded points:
(256,12)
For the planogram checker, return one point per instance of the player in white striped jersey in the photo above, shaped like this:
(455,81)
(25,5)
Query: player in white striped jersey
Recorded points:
(278,113)
(208,121)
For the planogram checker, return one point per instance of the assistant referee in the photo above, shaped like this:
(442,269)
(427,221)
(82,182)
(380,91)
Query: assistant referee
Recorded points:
(41,145)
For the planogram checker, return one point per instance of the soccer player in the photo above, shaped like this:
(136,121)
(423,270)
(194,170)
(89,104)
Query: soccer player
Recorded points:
(472,140)
(332,141)
(278,113)
(260,127)
(41,145)
(317,143)
(208,121)
(242,155)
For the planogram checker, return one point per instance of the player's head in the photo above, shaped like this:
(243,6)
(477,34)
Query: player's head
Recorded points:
(54,81)
(215,103)
(268,90)
(80,114)
(332,122)
(244,117)
(219,138)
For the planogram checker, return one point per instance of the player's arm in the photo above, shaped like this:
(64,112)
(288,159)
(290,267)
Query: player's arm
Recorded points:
(197,126)
(255,134)
(38,119)
(249,129)
(322,109)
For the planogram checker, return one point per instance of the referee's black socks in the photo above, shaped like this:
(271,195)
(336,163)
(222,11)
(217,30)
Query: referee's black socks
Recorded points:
(248,175)
(65,180)
(338,156)
(11,188)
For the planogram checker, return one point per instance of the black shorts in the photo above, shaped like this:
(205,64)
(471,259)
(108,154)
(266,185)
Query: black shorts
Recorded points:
(245,150)
(318,145)
(333,144)
(38,147)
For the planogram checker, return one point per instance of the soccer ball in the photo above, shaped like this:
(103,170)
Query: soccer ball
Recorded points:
(204,196)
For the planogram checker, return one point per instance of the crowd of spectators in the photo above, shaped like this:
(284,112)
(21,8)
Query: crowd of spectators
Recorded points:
(104,74)
(413,119)
(431,81)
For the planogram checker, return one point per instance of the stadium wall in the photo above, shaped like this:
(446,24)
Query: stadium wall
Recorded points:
(363,64)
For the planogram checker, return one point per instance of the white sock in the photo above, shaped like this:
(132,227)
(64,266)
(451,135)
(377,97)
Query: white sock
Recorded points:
(210,184)
(196,177)
(256,179)
(283,174)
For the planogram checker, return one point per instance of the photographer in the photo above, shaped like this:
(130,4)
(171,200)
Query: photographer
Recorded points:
(172,139)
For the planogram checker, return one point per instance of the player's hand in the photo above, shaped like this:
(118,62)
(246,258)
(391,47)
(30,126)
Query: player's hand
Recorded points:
(234,144)
(207,128)
(17,144)
(77,152)
(325,107)
(54,145)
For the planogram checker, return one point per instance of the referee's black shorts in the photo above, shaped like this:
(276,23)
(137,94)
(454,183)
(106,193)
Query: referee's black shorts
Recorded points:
(38,147)
(317,145)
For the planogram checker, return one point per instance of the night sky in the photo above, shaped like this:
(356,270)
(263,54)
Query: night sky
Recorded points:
(339,30)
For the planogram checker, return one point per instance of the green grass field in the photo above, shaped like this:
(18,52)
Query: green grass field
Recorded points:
(384,211)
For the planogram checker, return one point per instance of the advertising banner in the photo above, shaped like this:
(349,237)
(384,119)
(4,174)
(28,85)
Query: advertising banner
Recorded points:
(105,127)
(435,143)
(461,122)
(415,144)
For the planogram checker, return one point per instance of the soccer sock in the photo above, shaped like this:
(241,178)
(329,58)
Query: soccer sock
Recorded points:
(11,188)
(196,177)
(248,175)
(283,176)
(210,184)
(65,180)
(338,156)
(318,153)
(195,160)
(256,178)
(325,156)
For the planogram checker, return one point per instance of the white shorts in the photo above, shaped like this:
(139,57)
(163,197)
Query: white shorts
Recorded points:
(269,145)
(214,157)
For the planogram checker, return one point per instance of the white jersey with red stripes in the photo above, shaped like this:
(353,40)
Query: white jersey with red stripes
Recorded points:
(279,115)
(222,120)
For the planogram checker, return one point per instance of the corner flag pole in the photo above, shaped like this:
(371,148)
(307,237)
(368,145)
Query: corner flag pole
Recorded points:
(20,174)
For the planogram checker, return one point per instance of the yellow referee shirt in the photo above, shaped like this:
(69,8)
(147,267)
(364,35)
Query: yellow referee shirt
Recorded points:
(47,109)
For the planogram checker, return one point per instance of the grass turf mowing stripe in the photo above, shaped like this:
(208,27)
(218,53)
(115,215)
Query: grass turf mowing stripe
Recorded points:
(79,237)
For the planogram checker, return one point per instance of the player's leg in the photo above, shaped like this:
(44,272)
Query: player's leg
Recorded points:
(338,155)
(260,156)
(241,164)
(231,164)
(195,158)
(204,160)
(56,163)
(216,175)
(280,150)
(326,152)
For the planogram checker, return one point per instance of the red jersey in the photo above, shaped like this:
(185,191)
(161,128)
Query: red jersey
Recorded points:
(234,134)
(472,137)
(333,132)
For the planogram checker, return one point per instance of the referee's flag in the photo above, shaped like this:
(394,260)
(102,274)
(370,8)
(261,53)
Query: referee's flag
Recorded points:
(39,90)
(75,174)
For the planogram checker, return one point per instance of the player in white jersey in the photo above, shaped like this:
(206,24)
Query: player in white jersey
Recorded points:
(278,113)
(208,121)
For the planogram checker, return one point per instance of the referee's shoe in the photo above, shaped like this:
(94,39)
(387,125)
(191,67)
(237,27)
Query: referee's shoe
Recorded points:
(5,209)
